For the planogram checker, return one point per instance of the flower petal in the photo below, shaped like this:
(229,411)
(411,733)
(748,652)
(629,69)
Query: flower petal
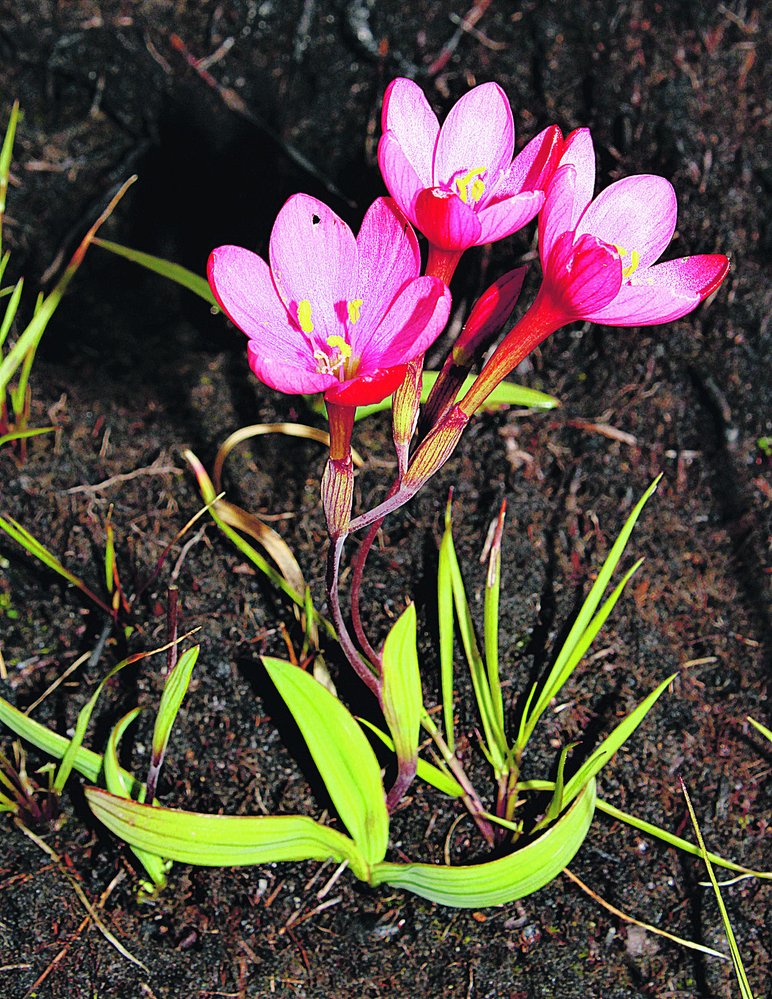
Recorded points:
(414,126)
(400,177)
(533,167)
(636,214)
(314,259)
(665,292)
(505,217)
(389,257)
(582,277)
(241,283)
(478,132)
(368,389)
(446,221)
(579,152)
(414,321)
(286,371)
(558,210)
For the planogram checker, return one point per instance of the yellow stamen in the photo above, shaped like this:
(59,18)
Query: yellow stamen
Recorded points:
(304,316)
(635,259)
(354,307)
(343,347)
(471,179)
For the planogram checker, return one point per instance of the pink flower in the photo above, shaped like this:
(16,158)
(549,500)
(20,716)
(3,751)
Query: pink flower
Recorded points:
(459,184)
(332,313)
(599,260)
(600,257)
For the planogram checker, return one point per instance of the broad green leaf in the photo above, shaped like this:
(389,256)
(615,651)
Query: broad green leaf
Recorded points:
(118,782)
(342,754)
(425,771)
(612,742)
(402,697)
(173,272)
(521,873)
(222,840)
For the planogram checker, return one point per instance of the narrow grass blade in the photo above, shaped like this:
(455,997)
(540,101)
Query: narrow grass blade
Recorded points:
(172,272)
(11,308)
(222,840)
(5,161)
(342,754)
(737,962)
(555,806)
(30,337)
(498,881)
(491,622)
(174,691)
(762,729)
(612,742)
(402,696)
(20,435)
(446,626)
(584,621)
(37,549)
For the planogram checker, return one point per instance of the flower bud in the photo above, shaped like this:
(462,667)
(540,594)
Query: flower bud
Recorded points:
(338,494)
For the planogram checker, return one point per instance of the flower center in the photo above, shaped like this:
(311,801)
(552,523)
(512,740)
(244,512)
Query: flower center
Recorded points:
(334,363)
(635,259)
(470,187)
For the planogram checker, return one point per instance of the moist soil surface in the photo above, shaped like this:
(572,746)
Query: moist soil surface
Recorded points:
(133,370)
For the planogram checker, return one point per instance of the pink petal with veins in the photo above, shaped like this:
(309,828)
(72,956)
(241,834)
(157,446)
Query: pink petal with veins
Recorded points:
(664,292)
(446,221)
(636,214)
(478,132)
(314,258)
(533,167)
(413,124)
(389,257)
(415,320)
(502,218)
(582,277)
(399,175)
(295,375)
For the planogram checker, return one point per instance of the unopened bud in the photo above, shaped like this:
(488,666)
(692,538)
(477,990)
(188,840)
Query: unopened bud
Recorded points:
(435,450)
(338,494)
(405,407)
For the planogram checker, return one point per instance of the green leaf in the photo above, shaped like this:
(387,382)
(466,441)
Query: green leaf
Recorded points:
(119,783)
(498,881)
(612,742)
(505,394)
(402,696)
(11,309)
(446,629)
(173,272)
(585,628)
(222,840)
(5,160)
(174,691)
(85,761)
(425,771)
(342,754)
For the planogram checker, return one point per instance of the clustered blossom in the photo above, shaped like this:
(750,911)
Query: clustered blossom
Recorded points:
(347,316)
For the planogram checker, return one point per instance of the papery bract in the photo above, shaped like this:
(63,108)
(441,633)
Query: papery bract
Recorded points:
(332,313)
(459,184)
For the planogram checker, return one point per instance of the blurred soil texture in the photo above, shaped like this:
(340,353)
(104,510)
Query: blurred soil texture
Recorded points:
(223,110)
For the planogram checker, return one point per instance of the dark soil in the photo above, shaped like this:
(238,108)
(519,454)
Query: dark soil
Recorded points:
(133,371)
